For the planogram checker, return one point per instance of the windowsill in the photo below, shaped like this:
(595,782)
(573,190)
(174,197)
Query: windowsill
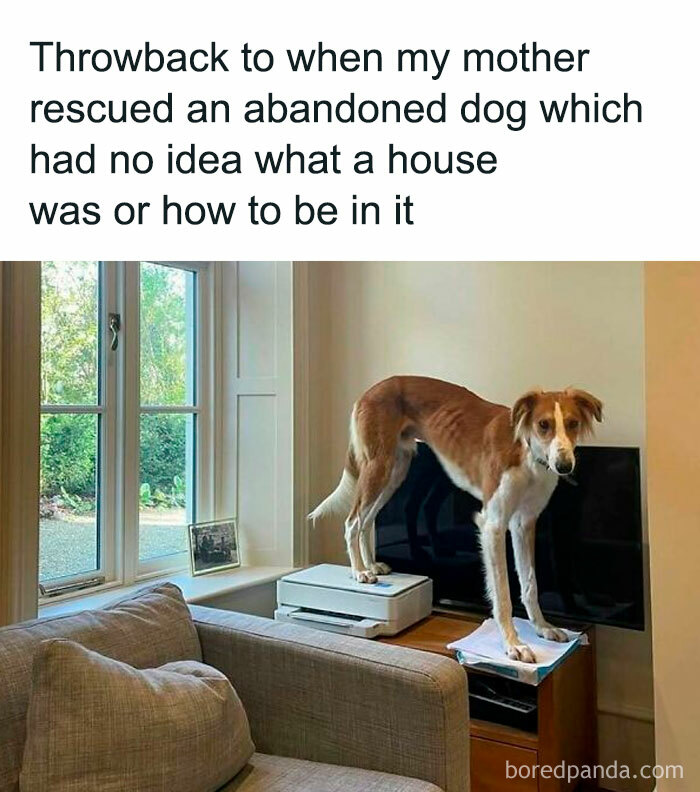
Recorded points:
(196,590)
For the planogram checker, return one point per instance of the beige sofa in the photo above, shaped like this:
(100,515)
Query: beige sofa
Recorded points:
(327,713)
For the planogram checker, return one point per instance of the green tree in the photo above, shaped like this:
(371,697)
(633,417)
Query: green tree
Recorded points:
(163,334)
(69,341)
(69,375)
(68,455)
(162,450)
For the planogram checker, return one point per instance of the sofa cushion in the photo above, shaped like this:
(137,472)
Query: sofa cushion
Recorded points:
(266,773)
(98,724)
(146,630)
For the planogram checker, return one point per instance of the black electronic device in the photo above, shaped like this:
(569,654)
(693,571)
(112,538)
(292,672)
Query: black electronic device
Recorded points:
(589,552)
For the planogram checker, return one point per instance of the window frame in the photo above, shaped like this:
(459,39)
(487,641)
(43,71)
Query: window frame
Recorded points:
(120,410)
(103,409)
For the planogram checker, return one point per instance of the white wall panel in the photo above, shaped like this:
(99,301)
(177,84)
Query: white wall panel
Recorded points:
(257,318)
(257,473)
(256,408)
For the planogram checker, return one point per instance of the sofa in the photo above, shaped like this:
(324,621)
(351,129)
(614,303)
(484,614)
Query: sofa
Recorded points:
(326,712)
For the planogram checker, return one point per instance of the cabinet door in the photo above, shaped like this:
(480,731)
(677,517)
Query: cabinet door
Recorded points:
(496,767)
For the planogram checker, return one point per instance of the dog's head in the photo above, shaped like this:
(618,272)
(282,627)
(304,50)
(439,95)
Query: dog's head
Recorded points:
(552,423)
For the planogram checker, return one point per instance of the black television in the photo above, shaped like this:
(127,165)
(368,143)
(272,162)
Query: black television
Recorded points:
(589,555)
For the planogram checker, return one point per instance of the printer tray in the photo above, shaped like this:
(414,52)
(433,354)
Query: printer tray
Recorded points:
(343,623)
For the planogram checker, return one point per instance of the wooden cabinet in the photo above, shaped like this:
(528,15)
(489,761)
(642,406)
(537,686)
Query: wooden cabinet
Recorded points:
(505,759)
(492,757)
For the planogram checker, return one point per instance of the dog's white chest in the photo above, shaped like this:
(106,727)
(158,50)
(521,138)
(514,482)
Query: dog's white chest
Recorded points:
(536,495)
(522,490)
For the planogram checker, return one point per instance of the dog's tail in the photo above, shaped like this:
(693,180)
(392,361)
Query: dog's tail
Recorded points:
(341,500)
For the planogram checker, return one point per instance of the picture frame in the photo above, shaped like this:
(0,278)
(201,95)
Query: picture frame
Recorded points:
(213,546)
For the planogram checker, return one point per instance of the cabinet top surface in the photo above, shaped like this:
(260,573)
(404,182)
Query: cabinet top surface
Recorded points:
(434,633)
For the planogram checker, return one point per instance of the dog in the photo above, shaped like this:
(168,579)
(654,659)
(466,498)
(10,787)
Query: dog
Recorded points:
(509,459)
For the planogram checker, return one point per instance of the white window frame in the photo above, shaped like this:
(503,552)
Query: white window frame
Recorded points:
(120,409)
(104,408)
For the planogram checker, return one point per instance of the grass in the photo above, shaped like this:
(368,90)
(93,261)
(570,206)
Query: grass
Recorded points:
(68,542)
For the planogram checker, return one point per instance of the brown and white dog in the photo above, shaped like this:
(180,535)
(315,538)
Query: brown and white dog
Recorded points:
(510,459)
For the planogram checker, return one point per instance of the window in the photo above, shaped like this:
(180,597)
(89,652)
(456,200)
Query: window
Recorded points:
(168,420)
(71,421)
(125,435)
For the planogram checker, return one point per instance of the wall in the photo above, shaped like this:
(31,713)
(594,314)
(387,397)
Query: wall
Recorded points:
(673,425)
(19,439)
(257,600)
(499,328)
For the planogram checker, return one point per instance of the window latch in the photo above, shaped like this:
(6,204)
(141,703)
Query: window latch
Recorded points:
(115,325)
(68,588)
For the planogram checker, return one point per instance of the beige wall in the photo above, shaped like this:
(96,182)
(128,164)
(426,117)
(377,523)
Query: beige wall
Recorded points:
(673,425)
(499,328)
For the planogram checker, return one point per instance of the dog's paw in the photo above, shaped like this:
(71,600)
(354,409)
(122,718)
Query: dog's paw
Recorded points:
(380,568)
(551,633)
(521,652)
(365,576)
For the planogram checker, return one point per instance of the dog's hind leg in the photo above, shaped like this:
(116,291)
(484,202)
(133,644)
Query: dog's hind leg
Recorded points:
(373,480)
(368,537)
(352,543)
(373,476)
(367,542)
(377,442)
(522,533)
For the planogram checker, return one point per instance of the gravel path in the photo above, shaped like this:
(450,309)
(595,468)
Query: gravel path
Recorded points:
(69,546)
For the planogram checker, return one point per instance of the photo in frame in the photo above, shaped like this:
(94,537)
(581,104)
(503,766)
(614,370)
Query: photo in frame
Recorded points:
(213,546)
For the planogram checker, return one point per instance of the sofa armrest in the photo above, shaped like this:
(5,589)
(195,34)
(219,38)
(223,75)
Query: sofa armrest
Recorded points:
(330,698)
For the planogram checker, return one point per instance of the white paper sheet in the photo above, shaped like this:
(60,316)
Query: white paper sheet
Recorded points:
(483,649)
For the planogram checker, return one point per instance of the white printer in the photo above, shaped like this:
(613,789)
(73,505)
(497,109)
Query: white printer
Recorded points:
(327,597)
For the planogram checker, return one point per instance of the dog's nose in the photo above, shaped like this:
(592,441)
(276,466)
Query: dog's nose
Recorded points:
(564,466)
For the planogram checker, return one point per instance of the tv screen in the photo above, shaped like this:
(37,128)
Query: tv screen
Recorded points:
(589,558)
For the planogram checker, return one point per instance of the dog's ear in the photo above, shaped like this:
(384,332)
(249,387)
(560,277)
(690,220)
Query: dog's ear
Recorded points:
(522,410)
(590,406)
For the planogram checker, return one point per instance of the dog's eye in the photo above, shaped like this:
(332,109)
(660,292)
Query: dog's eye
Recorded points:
(573,424)
(544,425)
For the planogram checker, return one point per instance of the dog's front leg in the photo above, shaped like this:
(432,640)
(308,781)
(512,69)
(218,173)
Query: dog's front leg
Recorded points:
(493,544)
(523,536)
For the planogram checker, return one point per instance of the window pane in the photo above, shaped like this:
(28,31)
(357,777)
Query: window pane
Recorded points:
(166,503)
(69,332)
(167,329)
(68,537)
